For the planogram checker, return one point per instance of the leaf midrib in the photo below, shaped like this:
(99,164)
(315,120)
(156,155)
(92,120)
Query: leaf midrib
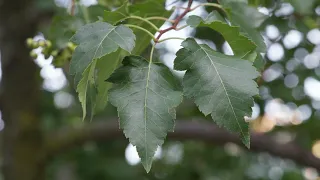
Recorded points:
(224,89)
(94,63)
(145,111)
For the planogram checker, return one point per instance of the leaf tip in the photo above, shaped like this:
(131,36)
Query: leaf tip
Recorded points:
(147,165)
(247,145)
(246,141)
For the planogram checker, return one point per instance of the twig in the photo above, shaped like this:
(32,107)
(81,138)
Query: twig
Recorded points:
(73,7)
(142,29)
(159,18)
(176,22)
(85,13)
(169,38)
(142,19)
(182,27)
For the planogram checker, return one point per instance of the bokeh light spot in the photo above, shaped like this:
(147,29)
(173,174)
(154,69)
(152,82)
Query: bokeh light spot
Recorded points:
(275,52)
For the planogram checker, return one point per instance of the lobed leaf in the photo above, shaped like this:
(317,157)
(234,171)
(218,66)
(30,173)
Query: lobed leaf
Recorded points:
(221,85)
(145,96)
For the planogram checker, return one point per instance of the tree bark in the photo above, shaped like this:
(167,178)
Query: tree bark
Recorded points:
(19,98)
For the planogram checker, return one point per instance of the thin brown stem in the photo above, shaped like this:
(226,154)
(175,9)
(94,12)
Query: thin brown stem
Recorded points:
(176,22)
(73,7)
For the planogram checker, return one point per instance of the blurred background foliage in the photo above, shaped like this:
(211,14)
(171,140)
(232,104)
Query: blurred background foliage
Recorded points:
(288,108)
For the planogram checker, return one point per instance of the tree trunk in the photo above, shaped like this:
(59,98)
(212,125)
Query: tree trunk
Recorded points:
(21,137)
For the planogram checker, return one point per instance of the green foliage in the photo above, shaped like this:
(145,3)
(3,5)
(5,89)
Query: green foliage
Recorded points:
(86,85)
(146,9)
(303,7)
(221,85)
(95,41)
(145,95)
(105,67)
(240,44)
(151,8)
(62,29)
(248,19)
(114,17)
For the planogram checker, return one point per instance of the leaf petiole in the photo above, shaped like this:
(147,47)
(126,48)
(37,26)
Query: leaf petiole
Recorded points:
(85,13)
(208,4)
(151,53)
(142,29)
(182,27)
(142,19)
(200,5)
(165,39)
(159,18)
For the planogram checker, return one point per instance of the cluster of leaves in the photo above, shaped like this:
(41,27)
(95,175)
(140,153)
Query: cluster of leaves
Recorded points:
(146,93)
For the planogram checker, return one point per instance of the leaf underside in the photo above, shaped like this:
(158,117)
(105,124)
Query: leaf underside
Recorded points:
(221,85)
(145,97)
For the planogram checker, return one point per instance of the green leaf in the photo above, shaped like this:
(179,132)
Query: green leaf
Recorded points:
(86,86)
(115,16)
(97,43)
(221,85)
(251,56)
(96,40)
(61,30)
(240,44)
(304,7)
(148,8)
(194,21)
(214,16)
(248,19)
(94,12)
(104,68)
(259,63)
(246,13)
(92,88)
(145,96)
